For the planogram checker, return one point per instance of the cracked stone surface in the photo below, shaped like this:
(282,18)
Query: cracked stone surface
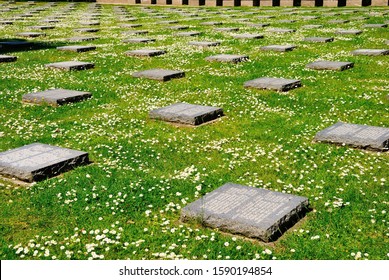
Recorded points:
(38,161)
(248,211)
(187,113)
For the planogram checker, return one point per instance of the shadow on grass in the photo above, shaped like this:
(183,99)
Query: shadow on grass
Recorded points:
(21,45)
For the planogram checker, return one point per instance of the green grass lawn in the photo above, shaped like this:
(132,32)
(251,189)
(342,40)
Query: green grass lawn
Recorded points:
(126,204)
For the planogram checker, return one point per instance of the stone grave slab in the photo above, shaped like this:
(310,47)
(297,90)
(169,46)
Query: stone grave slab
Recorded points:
(31,34)
(37,161)
(90,23)
(375,25)
(312,26)
(356,135)
(131,25)
(56,96)
(247,36)
(135,32)
(330,65)
(212,23)
(258,24)
(87,30)
(349,32)
(187,113)
(204,44)
(159,74)
(138,40)
(188,34)
(227,58)
(319,39)
(281,30)
(370,52)
(278,48)
(248,211)
(178,27)
(42,27)
(338,21)
(71,65)
(226,29)
(12,45)
(81,39)
(6,22)
(145,52)
(7,58)
(77,48)
(278,84)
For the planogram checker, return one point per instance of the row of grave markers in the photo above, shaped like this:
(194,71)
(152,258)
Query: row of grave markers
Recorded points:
(253,3)
(252,212)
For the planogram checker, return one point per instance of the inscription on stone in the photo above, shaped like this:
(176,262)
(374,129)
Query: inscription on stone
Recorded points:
(360,136)
(252,212)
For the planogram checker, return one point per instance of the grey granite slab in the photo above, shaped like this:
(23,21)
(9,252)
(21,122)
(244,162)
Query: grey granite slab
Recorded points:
(42,27)
(31,34)
(319,39)
(135,32)
(258,24)
(338,21)
(187,113)
(281,30)
(71,65)
(211,23)
(226,29)
(247,36)
(356,135)
(38,161)
(145,52)
(77,48)
(349,32)
(227,58)
(188,34)
(278,84)
(178,27)
(330,65)
(87,30)
(376,25)
(159,74)
(7,58)
(138,40)
(131,25)
(278,48)
(204,43)
(6,22)
(11,45)
(56,96)
(312,26)
(81,39)
(370,52)
(251,212)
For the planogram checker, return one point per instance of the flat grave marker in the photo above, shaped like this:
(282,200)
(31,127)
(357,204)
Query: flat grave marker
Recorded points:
(81,39)
(319,39)
(38,161)
(247,36)
(278,48)
(7,58)
(138,40)
(278,84)
(71,65)
(349,32)
(375,25)
(330,65)
(251,212)
(188,34)
(227,58)
(159,74)
(56,96)
(185,113)
(281,30)
(204,44)
(31,34)
(312,26)
(360,136)
(145,52)
(76,48)
(370,52)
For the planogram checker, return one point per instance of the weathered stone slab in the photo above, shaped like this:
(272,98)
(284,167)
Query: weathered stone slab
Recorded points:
(312,26)
(135,25)
(6,22)
(145,52)
(56,96)
(247,36)
(281,30)
(38,161)
(226,29)
(71,65)
(178,27)
(187,113)
(370,52)
(330,65)
(188,34)
(7,58)
(15,45)
(361,136)
(87,30)
(77,48)
(159,74)
(375,25)
(319,39)
(81,39)
(211,23)
(42,27)
(31,34)
(349,32)
(251,212)
(258,24)
(138,40)
(278,84)
(278,48)
(338,21)
(227,58)
(204,43)
(135,32)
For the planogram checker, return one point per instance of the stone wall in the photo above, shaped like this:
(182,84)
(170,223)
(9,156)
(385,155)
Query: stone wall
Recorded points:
(263,3)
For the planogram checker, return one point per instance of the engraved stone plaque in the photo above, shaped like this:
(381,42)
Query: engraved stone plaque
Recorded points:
(273,83)
(7,58)
(145,52)
(252,212)
(278,48)
(360,136)
(71,65)
(56,96)
(77,48)
(38,161)
(227,58)
(159,74)
(330,65)
(187,113)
